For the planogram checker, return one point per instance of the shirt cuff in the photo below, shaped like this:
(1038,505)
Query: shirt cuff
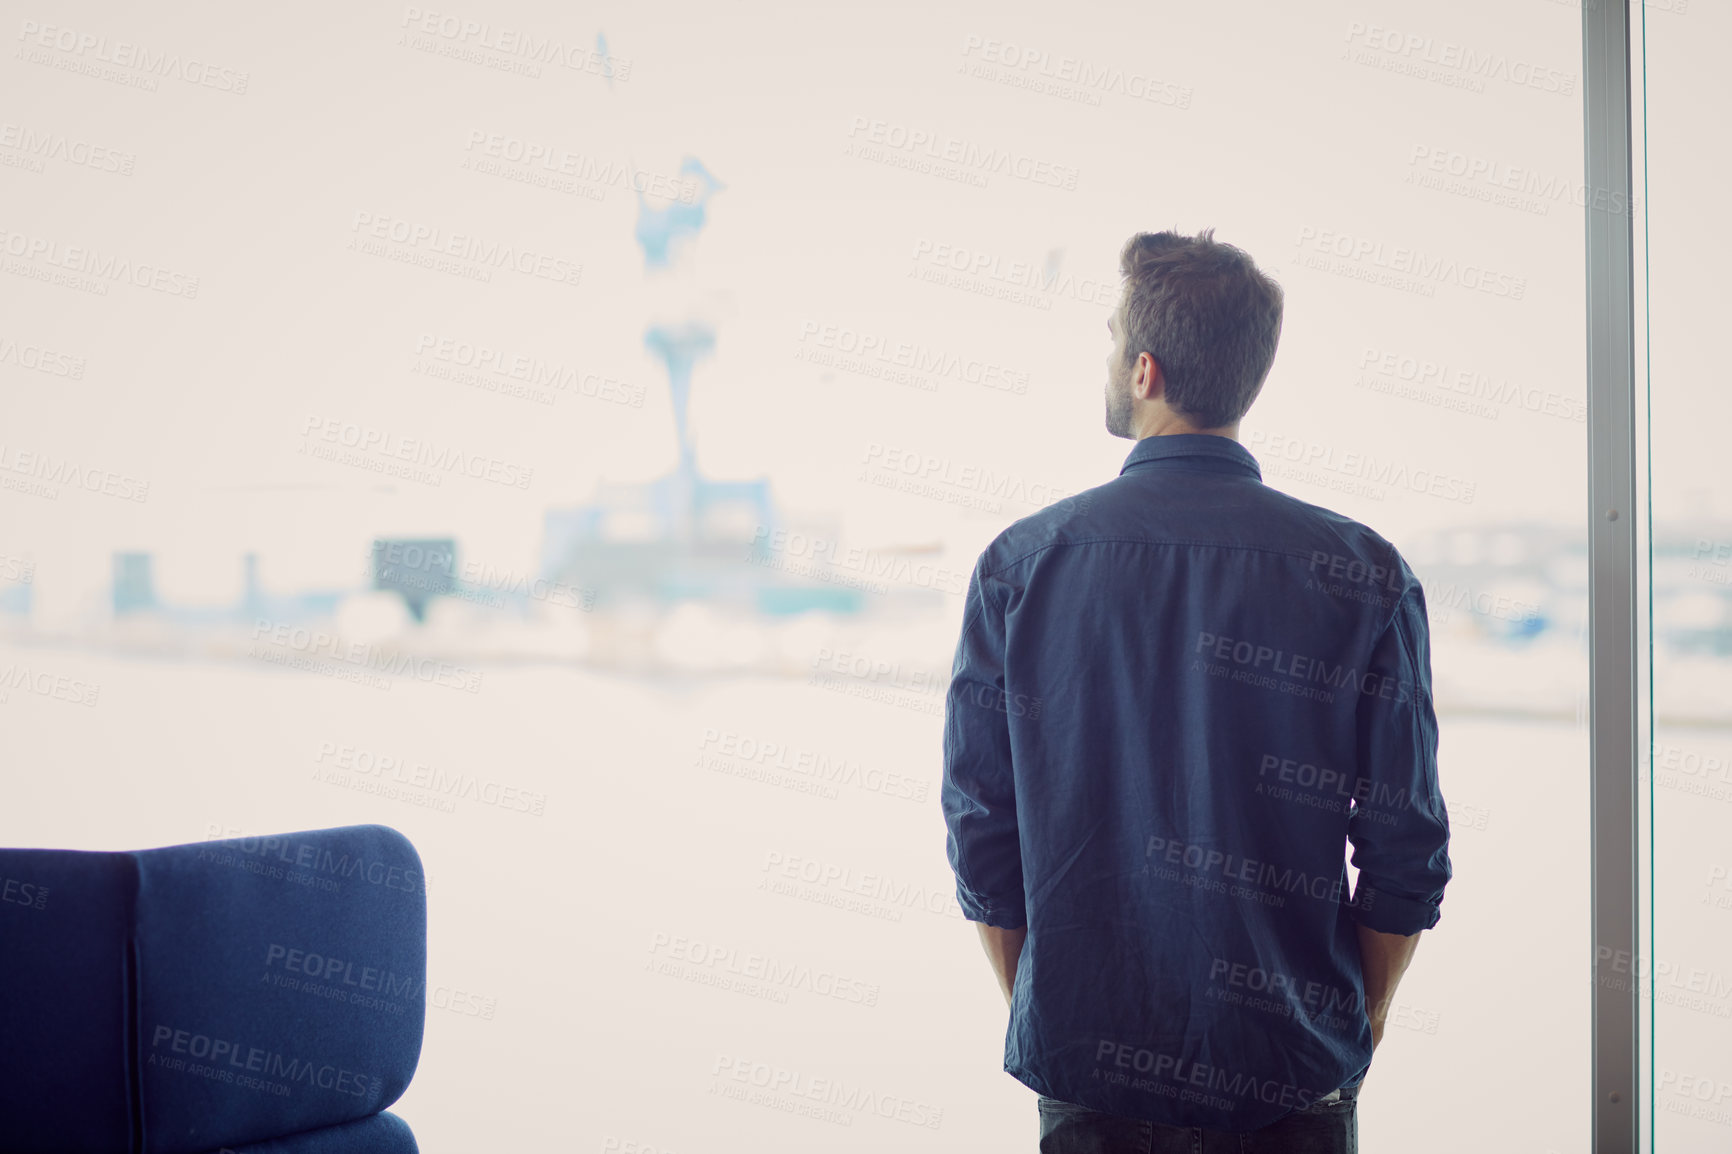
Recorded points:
(1004,917)
(1389,913)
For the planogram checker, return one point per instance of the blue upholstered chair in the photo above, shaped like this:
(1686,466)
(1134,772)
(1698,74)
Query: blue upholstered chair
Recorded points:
(256,995)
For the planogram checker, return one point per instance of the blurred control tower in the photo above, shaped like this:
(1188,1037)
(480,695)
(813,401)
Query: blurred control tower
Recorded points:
(682,536)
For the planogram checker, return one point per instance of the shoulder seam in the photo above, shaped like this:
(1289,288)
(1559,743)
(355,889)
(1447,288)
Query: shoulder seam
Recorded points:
(1138,541)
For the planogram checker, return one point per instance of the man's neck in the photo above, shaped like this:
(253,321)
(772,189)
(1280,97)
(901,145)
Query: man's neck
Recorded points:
(1175,425)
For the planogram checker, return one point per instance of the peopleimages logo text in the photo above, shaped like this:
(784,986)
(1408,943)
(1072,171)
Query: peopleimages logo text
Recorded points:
(65,471)
(1412,262)
(167,1041)
(22,893)
(1297,665)
(446,458)
(312,857)
(1364,467)
(1200,1076)
(341,971)
(857,559)
(126,54)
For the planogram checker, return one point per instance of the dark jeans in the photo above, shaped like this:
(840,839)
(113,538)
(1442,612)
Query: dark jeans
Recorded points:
(1326,1127)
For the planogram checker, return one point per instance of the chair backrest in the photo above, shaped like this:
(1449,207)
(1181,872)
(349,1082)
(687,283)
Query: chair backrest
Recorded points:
(175,1000)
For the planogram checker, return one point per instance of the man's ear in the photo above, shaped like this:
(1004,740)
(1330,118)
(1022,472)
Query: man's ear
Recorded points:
(1150,386)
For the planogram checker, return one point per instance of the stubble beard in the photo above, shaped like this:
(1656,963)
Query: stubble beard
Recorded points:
(1119,405)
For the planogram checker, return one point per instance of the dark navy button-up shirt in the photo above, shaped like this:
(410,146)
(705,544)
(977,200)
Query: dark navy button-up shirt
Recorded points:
(1177,699)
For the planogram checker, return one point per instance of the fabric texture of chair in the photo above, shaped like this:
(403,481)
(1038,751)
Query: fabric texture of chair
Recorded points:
(379,1134)
(260,994)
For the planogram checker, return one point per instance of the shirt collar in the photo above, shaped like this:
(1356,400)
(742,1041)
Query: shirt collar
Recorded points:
(1192,450)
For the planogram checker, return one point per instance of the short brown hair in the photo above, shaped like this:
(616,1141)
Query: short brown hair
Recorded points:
(1207,315)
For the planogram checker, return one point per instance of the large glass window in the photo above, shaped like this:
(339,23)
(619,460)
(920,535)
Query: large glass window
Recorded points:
(1684,971)
(565,438)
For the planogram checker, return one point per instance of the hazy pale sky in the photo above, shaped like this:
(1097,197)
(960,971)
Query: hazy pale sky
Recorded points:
(1311,145)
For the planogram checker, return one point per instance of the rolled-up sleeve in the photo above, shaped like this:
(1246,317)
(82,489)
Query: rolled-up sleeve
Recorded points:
(1399,827)
(978,793)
